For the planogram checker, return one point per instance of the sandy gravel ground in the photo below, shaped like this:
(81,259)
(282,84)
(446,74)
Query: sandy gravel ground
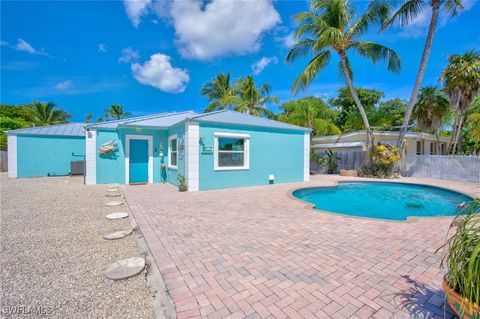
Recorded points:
(52,253)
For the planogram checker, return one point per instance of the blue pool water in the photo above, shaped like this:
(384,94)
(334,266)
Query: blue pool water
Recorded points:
(395,201)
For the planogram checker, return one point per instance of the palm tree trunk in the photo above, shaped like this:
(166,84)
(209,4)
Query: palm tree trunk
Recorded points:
(459,131)
(420,74)
(357,102)
(454,133)
(438,143)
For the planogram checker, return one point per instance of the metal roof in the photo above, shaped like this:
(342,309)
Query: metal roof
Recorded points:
(67,129)
(154,120)
(232,117)
(339,145)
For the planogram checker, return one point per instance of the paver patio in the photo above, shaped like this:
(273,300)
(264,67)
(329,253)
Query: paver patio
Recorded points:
(254,252)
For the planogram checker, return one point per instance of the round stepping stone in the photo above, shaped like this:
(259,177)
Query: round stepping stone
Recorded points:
(113,194)
(118,234)
(113,190)
(114,203)
(117,215)
(125,268)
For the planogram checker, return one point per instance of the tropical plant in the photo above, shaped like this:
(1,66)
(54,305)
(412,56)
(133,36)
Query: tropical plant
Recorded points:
(253,100)
(182,183)
(432,111)
(331,161)
(46,114)
(333,26)
(389,114)
(382,161)
(88,117)
(461,256)
(406,13)
(310,112)
(7,124)
(221,94)
(116,111)
(461,80)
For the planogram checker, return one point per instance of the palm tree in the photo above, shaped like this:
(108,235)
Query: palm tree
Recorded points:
(461,80)
(253,100)
(408,11)
(88,117)
(220,93)
(333,26)
(46,114)
(431,111)
(116,111)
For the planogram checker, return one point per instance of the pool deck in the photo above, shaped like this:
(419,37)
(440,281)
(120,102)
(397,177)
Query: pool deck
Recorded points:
(255,252)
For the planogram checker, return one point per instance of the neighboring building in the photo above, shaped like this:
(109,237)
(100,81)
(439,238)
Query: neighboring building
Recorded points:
(45,150)
(416,142)
(213,150)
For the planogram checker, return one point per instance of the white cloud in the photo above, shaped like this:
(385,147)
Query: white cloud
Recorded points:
(102,47)
(221,27)
(129,55)
(287,40)
(261,64)
(65,85)
(23,45)
(418,27)
(135,9)
(159,73)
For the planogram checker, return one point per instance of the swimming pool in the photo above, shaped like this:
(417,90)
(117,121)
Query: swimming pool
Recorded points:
(385,200)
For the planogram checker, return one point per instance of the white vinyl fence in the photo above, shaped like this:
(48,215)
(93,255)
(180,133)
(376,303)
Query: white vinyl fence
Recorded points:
(459,168)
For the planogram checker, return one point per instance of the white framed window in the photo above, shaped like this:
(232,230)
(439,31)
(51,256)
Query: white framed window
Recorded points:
(419,147)
(173,152)
(231,151)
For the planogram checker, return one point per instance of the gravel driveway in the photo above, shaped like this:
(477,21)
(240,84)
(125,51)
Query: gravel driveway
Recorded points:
(53,254)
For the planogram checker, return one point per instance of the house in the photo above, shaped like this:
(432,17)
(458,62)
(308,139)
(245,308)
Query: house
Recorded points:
(46,150)
(418,143)
(214,150)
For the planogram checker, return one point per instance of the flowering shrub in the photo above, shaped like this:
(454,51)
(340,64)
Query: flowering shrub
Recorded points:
(382,161)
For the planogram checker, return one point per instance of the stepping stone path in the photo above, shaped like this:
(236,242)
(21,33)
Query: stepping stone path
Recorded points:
(114,203)
(117,215)
(113,194)
(118,234)
(125,268)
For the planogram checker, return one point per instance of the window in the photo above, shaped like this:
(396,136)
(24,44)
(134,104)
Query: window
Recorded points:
(432,148)
(419,147)
(172,152)
(442,149)
(231,151)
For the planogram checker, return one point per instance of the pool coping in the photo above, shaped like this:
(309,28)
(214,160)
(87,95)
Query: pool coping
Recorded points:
(409,219)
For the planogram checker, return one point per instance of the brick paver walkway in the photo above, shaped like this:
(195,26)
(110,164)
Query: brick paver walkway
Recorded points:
(254,252)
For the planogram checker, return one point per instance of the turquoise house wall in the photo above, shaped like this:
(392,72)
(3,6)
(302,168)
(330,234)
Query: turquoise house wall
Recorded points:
(179,130)
(277,152)
(42,155)
(111,169)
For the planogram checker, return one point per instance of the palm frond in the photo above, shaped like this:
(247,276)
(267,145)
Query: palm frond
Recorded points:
(377,52)
(405,14)
(310,72)
(377,12)
(299,49)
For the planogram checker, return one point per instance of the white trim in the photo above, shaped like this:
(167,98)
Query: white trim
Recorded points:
(246,152)
(12,156)
(192,140)
(169,152)
(91,157)
(306,157)
(149,138)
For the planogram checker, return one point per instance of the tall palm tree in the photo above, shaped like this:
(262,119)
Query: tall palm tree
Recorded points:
(88,117)
(409,10)
(253,100)
(116,111)
(333,26)
(461,80)
(221,94)
(431,111)
(46,114)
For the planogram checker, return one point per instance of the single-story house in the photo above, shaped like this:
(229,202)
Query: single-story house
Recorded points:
(214,150)
(45,150)
(418,143)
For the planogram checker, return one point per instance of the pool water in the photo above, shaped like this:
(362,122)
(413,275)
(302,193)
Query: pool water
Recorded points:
(385,200)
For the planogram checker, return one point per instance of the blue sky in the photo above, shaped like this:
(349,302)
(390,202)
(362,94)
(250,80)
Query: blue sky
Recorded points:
(154,56)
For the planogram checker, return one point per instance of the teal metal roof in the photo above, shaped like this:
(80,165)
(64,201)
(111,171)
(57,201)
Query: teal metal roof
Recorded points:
(163,120)
(67,129)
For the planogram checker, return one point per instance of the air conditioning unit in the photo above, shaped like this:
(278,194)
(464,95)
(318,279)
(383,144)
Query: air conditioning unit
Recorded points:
(77,167)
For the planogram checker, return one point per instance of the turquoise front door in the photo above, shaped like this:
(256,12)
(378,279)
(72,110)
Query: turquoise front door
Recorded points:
(138,161)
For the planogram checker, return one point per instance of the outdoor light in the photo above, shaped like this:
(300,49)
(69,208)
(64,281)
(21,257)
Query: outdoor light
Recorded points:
(271,179)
